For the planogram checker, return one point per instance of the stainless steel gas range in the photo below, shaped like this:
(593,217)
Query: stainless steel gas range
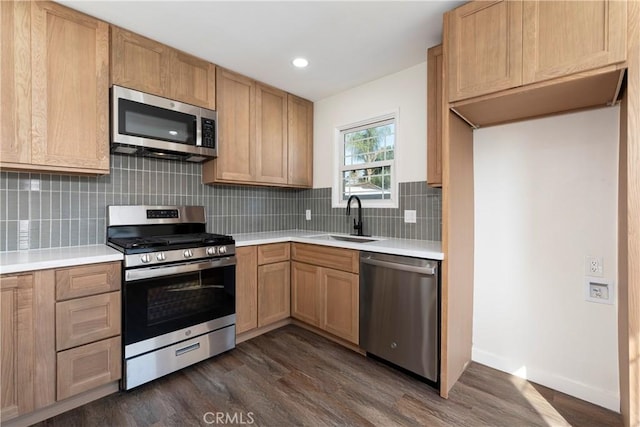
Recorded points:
(178,289)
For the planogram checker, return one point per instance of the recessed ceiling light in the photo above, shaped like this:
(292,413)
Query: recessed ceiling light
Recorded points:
(300,62)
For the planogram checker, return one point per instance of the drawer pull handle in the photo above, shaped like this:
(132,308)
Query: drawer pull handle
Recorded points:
(187,349)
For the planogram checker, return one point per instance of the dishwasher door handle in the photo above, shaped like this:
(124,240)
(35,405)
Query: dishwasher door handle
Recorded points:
(428,270)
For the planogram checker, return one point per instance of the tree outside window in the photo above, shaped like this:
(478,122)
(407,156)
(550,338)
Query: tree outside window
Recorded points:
(368,160)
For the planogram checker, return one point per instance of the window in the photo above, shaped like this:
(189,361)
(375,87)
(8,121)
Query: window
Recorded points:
(366,163)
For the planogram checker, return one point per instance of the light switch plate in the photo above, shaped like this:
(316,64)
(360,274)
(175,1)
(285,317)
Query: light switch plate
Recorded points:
(599,290)
(307,214)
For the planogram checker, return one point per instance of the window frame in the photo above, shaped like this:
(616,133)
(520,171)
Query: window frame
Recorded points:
(340,167)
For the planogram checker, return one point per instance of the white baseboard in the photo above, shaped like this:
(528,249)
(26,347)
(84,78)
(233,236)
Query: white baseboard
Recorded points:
(574,388)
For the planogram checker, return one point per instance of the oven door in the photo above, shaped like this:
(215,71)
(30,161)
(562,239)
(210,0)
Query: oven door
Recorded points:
(191,298)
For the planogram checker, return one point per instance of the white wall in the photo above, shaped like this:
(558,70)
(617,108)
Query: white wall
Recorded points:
(545,197)
(406,92)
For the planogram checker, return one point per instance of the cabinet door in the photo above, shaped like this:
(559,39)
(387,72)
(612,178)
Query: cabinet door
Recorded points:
(246,289)
(192,80)
(300,113)
(435,93)
(16,313)
(565,37)
(485,48)
(138,62)
(340,293)
(15,82)
(305,293)
(70,89)
(89,366)
(271,135)
(274,293)
(236,128)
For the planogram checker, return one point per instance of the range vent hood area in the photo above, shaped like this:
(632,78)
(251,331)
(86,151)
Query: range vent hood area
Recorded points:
(156,153)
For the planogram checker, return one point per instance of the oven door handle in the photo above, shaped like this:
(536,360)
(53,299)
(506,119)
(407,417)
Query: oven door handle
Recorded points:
(151,272)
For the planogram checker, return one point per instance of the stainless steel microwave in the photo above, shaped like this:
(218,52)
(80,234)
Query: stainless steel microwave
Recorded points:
(149,125)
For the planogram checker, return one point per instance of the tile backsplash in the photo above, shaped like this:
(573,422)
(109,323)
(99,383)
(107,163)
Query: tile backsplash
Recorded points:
(48,211)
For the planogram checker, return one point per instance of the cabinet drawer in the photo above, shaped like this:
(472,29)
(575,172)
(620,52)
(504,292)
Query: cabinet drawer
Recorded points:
(87,367)
(87,280)
(84,320)
(338,258)
(276,252)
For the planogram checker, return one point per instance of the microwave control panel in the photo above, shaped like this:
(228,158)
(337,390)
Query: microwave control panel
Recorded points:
(208,133)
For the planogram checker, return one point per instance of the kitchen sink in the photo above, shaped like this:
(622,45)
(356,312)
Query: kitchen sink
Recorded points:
(345,238)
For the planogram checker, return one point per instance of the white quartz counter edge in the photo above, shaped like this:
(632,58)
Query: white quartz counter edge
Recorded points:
(414,248)
(42,259)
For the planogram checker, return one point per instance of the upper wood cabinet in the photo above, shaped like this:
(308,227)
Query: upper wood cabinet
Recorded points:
(500,45)
(236,130)
(138,62)
(485,48)
(15,82)
(265,136)
(146,65)
(271,135)
(56,90)
(435,97)
(565,37)
(300,142)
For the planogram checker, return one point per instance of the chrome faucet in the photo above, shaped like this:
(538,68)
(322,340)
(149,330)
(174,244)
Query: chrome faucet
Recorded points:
(356,225)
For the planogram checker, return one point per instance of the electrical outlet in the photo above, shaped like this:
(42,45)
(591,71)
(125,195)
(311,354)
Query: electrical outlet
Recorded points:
(410,216)
(307,214)
(594,266)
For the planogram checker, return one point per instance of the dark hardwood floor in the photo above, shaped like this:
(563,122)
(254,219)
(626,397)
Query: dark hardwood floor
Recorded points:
(292,377)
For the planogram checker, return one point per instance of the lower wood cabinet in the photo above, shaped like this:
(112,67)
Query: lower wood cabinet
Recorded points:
(18,356)
(339,297)
(88,366)
(262,286)
(88,328)
(54,348)
(305,293)
(274,301)
(246,289)
(85,320)
(325,289)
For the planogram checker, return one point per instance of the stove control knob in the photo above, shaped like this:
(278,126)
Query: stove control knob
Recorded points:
(222,250)
(188,253)
(145,258)
(211,251)
(161,256)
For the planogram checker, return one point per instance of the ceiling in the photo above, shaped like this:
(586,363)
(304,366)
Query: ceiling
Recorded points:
(347,43)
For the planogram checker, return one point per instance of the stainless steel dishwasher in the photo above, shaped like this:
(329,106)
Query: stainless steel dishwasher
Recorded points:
(399,312)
